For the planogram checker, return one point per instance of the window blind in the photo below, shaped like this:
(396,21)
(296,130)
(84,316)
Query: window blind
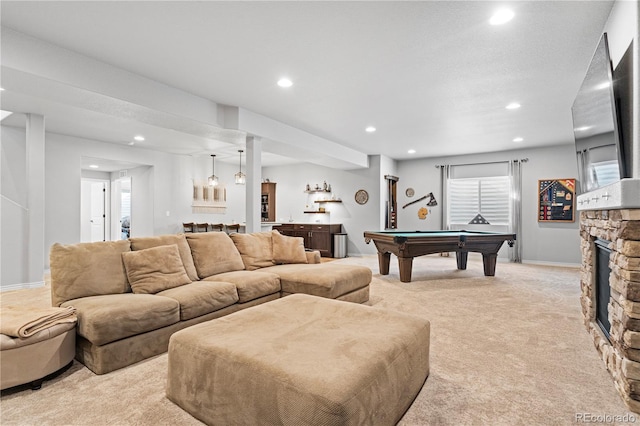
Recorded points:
(486,196)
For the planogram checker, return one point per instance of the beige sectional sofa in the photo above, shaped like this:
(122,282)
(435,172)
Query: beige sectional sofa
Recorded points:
(131,295)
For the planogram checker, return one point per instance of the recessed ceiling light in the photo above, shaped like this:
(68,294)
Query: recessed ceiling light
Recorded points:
(139,138)
(132,143)
(370,129)
(285,82)
(1,89)
(582,129)
(412,151)
(94,166)
(501,16)
(518,139)
(603,85)
(513,105)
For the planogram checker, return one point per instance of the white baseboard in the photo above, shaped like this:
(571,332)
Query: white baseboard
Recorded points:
(543,263)
(22,286)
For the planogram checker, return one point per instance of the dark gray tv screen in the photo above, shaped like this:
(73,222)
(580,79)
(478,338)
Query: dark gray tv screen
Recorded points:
(595,125)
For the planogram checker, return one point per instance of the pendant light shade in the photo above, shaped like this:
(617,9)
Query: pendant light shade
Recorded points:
(241,178)
(213,179)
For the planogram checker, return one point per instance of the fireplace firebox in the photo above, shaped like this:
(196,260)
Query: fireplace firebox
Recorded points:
(603,290)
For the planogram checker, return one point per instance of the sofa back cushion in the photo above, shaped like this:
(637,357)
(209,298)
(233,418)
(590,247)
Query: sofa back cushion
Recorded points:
(288,249)
(87,269)
(256,249)
(155,269)
(214,253)
(142,243)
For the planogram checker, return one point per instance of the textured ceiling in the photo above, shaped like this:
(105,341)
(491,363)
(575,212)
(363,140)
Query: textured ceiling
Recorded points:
(430,76)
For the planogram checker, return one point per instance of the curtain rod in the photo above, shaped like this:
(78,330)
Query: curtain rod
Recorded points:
(524,160)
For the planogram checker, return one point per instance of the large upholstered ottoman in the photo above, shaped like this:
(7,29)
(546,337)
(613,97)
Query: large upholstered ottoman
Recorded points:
(300,360)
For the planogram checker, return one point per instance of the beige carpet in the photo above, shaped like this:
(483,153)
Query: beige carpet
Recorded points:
(505,350)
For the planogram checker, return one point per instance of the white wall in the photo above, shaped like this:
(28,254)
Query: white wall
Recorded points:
(622,28)
(142,201)
(168,187)
(355,218)
(162,185)
(13,208)
(541,242)
(554,243)
(201,170)
(165,194)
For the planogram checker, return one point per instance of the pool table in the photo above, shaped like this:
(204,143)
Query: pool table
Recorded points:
(409,244)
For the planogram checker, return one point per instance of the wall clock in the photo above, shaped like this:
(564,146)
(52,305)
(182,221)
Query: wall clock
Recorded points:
(362,196)
(409,192)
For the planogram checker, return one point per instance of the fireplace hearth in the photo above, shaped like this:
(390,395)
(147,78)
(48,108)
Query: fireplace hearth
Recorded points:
(610,244)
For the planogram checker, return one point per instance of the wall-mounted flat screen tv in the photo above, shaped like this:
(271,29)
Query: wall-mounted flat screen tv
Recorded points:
(598,141)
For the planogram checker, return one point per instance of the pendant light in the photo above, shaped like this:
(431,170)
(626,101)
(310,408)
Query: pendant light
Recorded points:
(213,179)
(241,178)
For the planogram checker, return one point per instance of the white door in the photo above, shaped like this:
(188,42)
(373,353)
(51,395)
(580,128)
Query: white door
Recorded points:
(94,202)
(98,211)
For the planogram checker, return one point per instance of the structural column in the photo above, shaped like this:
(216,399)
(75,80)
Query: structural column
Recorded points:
(254,187)
(35,167)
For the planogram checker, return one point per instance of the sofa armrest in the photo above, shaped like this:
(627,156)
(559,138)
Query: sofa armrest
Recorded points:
(313,256)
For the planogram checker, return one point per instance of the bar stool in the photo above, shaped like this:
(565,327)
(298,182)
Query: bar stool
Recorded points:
(202,227)
(217,226)
(235,227)
(188,226)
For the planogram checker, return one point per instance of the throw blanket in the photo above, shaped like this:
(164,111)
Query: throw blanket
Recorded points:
(19,321)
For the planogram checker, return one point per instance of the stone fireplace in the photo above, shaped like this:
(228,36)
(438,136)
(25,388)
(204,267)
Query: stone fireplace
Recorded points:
(620,351)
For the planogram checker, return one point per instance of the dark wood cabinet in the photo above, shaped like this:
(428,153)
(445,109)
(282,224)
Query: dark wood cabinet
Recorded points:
(316,236)
(268,202)
(322,238)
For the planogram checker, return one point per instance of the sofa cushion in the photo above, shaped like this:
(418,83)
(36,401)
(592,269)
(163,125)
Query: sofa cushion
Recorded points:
(104,319)
(155,269)
(256,249)
(288,249)
(141,243)
(214,253)
(87,269)
(323,279)
(202,297)
(250,284)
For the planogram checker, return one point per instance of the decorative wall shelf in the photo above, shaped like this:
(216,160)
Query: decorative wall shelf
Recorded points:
(327,201)
(315,211)
(314,191)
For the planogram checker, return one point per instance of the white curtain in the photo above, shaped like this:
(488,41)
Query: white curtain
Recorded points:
(515,221)
(445,175)
(583,166)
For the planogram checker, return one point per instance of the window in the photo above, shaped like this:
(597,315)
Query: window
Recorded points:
(605,173)
(482,200)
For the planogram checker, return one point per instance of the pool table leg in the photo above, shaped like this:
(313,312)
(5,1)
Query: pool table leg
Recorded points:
(383,262)
(461,259)
(489,262)
(405,264)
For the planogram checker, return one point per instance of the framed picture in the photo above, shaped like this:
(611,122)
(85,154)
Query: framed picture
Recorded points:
(556,200)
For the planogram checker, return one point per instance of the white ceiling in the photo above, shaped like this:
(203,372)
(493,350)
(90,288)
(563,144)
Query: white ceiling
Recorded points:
(430,76)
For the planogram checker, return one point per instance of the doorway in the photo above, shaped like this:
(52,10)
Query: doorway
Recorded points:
(391,216)
(122,195)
